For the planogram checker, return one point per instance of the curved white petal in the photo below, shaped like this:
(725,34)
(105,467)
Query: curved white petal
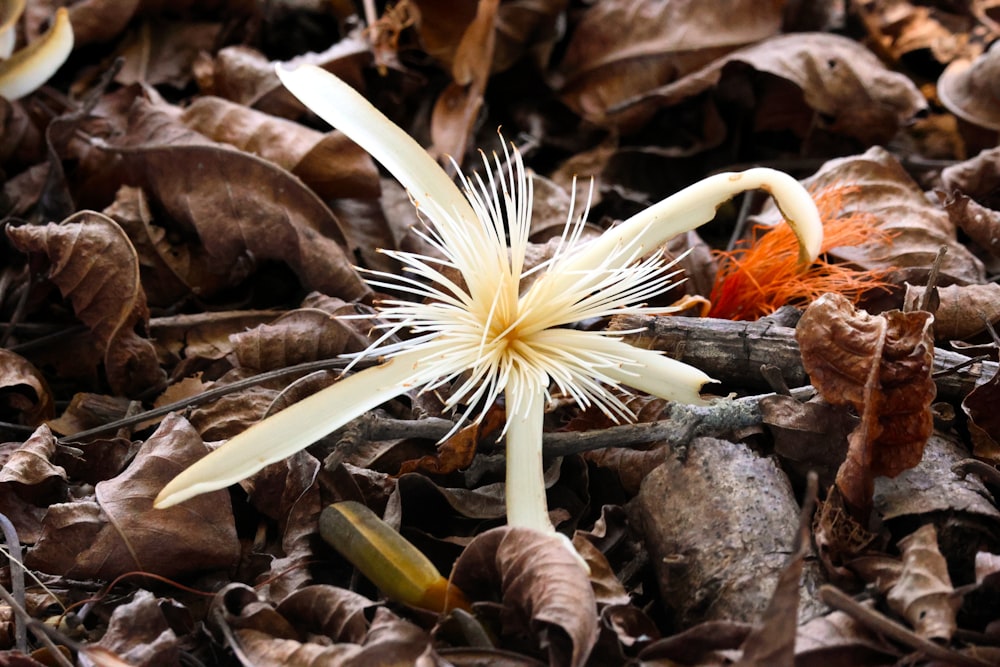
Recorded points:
(661,376)
(696,205)
(32,66)
(294,428)
(347,110)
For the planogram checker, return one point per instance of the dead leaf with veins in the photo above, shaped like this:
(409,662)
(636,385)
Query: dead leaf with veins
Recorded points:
(881,366)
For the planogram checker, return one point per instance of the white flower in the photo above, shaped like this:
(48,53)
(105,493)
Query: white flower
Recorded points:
(486,333)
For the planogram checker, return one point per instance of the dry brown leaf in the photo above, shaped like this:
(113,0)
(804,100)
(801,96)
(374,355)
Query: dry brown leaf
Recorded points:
(963,310)
(457,108)
(600,70)
(980,223)
(881,366)
(19,379)
(159,51)
(840,79)
(244,210)
(980,405)
(29,469)
(138,632)
(330,163)
(325,610)
(94,265)
(968,89)
(120,532)
(544,589)
(901,28)
(924,594)
(298,336)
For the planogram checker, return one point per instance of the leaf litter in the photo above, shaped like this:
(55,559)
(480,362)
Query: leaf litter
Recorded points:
(182,225)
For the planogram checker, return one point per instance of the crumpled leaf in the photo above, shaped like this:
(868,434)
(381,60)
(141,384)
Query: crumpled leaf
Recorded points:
(903,28)
(840,79)
(94,265)
(119,531)
(329,163)
(17,374)
(980,405)
(457,108)
(917,587)
(978,177)
(880,187)
(326,610)
(600,70)
(30,467)
(543,586)
(298,336)
(982,224)
(881,366)
(243,210)
(963,310)
(139,634)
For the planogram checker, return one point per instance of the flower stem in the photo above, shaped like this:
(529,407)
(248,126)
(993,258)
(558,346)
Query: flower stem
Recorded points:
(526,505)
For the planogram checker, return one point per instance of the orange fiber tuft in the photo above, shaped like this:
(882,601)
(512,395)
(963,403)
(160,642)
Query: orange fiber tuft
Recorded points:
(760,276)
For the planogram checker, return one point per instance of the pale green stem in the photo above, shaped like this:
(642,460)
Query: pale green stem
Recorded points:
(526,504)
(295,428)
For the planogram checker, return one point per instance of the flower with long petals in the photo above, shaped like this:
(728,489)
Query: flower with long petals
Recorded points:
(477,324)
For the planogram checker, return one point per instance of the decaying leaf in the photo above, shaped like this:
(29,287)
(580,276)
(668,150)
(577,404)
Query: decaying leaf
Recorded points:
(543,587)
(29,469)
(982,224)
(119,531)
(917,587)
(838,77)
(665,41)
(94,265)
(19,379)
(330,164)
(881,366)
(984,419)
(139,633)
(963,310)
(243,211)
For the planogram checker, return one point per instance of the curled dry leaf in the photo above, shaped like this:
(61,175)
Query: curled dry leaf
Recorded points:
(331,164)
(94,265)
(970,89)
(30,468)
(333,612)
(984,419)
(918,587)
(839,79)
(139,634)
(881,366)
(19,379)
(298,336)
(544,589)
(665,41)
(980,223)
(963,310)
(120,532)
(244,210)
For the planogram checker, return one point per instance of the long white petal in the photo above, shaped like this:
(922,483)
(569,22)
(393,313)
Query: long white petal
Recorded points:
(696,205)
(525,492)
(344,108)
(294,428)
(660,375)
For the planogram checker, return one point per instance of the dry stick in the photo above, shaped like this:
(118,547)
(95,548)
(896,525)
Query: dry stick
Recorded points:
(733,352)
(895,631)
(16,578)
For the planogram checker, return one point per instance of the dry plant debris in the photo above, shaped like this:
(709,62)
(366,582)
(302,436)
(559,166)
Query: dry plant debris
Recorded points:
(184,248)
